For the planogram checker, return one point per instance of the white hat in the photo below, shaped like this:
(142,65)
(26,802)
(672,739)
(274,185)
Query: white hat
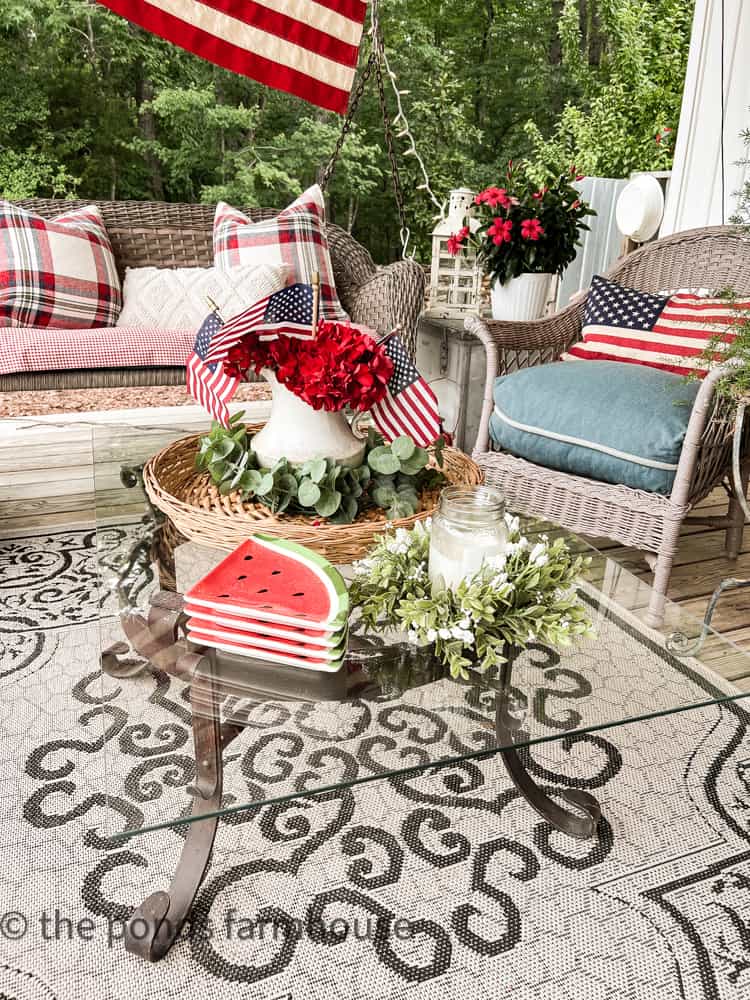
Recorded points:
(640,208)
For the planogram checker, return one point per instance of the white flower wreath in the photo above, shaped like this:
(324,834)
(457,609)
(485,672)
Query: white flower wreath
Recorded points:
(528,594)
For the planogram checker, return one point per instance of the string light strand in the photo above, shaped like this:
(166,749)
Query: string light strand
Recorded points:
(405,132)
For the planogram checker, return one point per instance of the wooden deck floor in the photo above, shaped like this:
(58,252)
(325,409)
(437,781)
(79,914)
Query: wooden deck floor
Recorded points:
(699,566)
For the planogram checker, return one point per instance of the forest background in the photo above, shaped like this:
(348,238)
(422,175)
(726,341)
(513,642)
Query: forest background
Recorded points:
(93,107)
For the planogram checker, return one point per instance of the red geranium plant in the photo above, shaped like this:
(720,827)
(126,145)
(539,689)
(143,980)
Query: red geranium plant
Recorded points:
(525,228)
(342,365)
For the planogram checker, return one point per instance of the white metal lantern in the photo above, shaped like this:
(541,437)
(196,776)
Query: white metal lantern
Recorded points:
(455,282)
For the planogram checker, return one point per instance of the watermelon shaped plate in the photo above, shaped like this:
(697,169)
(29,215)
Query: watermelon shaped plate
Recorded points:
(270,655)
(274,580)
(287,645)
(316,637)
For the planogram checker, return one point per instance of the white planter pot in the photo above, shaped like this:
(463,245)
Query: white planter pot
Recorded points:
(297,432)
(523,297)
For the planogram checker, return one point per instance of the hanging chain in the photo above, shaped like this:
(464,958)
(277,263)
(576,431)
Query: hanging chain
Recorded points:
(349,120)
(378,60)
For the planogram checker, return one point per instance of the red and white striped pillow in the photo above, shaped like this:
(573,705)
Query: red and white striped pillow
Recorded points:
(295,237)
(669,332)
(56,272)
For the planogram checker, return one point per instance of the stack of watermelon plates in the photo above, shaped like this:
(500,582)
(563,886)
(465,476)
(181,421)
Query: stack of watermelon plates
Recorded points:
(272,600)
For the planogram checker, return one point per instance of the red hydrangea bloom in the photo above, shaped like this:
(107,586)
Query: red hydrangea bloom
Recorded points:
(531,229)
(501,231)
(342,366)
(457,240)
(492,197)
(249,353)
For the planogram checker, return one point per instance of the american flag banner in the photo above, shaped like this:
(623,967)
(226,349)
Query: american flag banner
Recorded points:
(409,405)
(304,47)
(207,382)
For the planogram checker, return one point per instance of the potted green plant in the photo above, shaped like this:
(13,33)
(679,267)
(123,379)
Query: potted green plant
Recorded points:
(526,234)
(731,347)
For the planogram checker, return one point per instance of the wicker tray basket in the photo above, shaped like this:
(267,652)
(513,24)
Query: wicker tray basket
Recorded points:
(199,512)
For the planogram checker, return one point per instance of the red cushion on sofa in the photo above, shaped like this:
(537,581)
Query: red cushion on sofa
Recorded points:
(45,349)
(56,272)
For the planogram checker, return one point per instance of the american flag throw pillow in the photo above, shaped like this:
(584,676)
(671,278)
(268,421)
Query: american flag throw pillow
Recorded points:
(56,272)
(296,237)
(670,332)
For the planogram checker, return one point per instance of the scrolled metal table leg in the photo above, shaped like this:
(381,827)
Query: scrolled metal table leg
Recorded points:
(155,925)
(581,822)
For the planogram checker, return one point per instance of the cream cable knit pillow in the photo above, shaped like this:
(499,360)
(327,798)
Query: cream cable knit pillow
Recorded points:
(177,298)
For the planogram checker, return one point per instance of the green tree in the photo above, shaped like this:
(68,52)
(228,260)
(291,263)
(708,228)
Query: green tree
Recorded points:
(627,58)
(92,106)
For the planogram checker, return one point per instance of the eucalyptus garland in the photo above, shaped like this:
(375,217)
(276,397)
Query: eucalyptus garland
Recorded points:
(392,476)
(526,595)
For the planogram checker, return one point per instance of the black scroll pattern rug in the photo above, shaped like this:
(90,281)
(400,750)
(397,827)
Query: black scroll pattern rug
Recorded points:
(438,886)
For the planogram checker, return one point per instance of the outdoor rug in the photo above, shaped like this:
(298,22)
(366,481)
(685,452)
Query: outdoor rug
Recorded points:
(496,903)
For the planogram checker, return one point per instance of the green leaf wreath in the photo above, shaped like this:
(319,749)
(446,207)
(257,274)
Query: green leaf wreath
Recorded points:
(391,477)
(526,595)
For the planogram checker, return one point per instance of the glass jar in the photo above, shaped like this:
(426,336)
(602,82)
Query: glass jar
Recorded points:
(468,527)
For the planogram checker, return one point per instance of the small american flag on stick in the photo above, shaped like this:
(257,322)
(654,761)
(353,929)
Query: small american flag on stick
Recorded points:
(207,381)
(409,405)
(234,329)
(291,313)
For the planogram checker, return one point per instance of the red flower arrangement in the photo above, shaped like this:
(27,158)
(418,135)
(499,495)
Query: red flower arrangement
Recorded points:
(341,366)
(525,227)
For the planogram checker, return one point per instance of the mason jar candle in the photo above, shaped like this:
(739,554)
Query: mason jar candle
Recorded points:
(468,527)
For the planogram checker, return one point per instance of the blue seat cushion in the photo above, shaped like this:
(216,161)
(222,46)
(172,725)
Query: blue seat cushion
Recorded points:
(622,424)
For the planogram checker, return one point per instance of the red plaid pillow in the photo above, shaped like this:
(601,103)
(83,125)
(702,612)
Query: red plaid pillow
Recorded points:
(296,237)
(59,272)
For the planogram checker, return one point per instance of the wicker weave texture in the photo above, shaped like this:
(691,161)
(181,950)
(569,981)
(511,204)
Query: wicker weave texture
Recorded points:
(200,513)
(167,234)
(712,258)
(635,517)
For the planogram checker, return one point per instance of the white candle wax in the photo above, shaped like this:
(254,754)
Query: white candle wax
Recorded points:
(455,555)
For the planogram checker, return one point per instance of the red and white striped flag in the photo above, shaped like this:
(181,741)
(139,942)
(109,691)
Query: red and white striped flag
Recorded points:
(304,47)
(409,405)
(670,332)
(232,331)
(288,311)
(207,381)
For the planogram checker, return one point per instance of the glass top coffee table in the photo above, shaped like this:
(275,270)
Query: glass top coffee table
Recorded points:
(214,735)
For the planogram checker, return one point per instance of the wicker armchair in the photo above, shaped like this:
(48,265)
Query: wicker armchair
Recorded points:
(160,234)
(714,258)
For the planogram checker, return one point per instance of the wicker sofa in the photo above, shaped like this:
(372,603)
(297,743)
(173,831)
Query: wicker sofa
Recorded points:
(715,258)
(160,234)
